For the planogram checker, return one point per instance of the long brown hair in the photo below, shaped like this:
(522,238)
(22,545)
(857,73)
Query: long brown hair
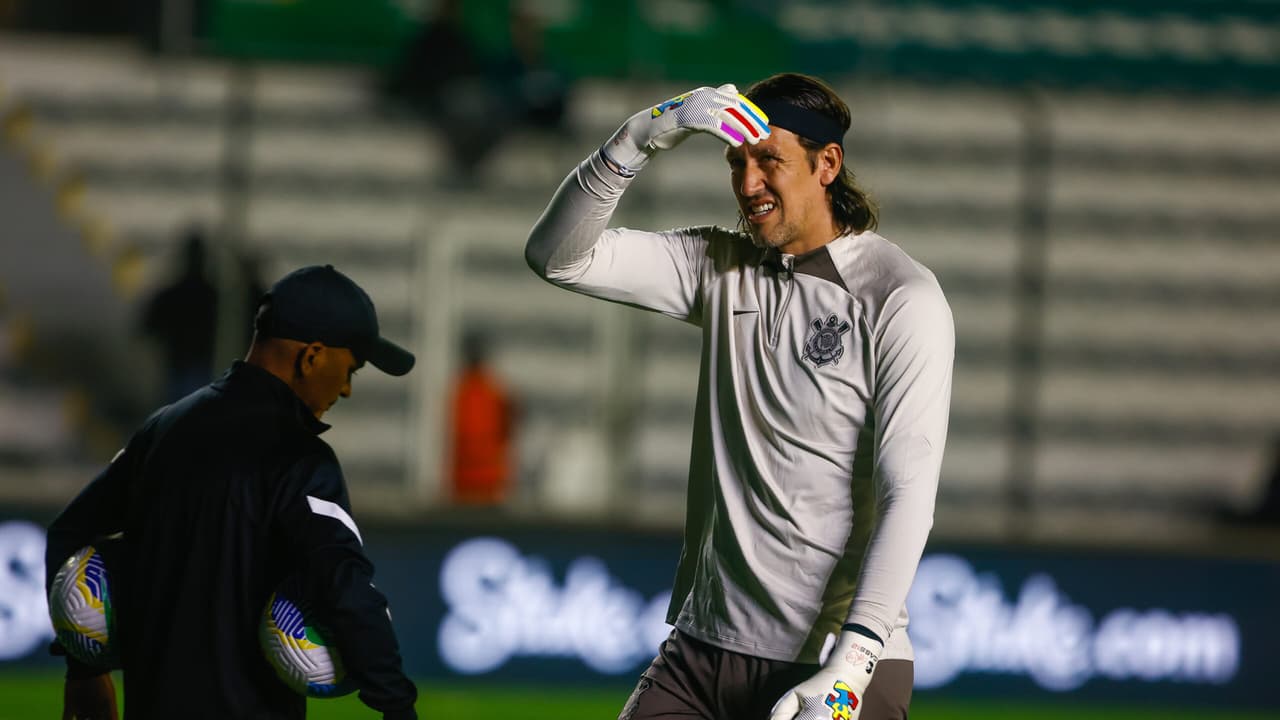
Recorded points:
(851,206)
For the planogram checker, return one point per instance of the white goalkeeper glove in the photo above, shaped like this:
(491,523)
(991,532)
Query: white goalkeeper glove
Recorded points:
(720,111)
(834,692)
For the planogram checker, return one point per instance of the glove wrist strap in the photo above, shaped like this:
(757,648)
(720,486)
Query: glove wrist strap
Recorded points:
(862,630)
(615,166)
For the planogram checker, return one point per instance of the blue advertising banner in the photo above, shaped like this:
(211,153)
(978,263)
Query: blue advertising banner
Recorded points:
(1118,626)
(552,605)
(546,606)
(25,631)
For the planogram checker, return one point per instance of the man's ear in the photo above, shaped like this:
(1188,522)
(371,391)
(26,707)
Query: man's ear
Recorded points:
(830,160)
(309,358)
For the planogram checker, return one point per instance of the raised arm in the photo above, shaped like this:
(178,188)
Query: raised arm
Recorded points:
(571,244)
(576,217)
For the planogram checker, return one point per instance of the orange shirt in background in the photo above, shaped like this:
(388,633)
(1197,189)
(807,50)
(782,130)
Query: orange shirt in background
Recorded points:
(482,425)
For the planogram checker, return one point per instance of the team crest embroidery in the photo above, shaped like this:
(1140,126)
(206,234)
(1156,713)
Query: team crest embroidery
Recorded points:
(826,343)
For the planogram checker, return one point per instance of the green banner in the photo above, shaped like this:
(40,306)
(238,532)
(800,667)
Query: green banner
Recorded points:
(355,31)
(695,40)
(1229,46)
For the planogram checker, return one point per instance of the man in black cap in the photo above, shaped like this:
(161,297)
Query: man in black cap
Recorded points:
(219,498)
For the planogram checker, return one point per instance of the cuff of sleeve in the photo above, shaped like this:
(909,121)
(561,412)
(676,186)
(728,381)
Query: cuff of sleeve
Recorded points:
(598,178)
(402,714)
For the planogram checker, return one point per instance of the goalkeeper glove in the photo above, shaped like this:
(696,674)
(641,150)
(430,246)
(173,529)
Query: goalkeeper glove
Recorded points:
(720,111)
(834,692)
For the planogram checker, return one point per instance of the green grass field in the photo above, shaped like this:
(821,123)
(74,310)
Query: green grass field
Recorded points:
(32,696)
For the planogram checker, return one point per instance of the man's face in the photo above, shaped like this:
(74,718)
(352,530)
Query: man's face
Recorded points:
(780,194)
(324,374)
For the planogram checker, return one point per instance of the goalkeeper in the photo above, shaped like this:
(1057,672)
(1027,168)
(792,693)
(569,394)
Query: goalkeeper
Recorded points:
(821,410)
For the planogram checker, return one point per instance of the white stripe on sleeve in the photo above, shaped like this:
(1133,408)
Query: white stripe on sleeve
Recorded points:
(335,511)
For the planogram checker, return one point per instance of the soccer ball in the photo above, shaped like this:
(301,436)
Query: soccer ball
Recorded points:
(80,608)
(297,650)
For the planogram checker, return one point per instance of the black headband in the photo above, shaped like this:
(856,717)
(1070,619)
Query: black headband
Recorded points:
(806,123)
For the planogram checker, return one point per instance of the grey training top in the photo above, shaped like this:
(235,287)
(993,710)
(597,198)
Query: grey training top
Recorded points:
(821,416)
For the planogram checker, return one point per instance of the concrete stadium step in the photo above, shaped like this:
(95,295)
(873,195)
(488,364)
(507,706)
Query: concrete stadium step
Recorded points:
(185,149)
(1139,192)
(1250,401)
(132,212)
(395,149)
(1198,260)
(1166,121)
(78,68)
(1169,326)
(360,435)
(392,223)
(1155,470)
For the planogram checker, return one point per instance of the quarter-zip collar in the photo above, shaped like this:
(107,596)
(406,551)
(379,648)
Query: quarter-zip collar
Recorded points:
(251,379)
(778,261)
(775,259)
(788,275)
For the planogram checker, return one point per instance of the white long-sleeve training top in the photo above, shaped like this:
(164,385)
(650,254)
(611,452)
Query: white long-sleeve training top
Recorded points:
(822,406)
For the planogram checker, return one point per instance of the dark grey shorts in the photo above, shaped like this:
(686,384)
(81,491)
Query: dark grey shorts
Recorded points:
(691,679)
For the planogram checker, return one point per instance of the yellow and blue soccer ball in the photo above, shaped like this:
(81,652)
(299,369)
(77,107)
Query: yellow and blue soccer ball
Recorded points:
(298,651)
(81,611)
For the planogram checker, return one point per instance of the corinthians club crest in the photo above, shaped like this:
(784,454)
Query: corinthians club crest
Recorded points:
(826,343)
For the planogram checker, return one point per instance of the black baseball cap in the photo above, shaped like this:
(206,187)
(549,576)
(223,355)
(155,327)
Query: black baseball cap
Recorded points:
(320,304)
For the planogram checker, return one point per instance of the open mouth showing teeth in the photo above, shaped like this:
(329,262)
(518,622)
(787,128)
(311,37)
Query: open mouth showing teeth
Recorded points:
(760,209)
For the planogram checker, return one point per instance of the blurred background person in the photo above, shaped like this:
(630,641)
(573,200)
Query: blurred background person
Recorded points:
(182,317)
(476,96)
(482,429)
(442,78)
(524,72)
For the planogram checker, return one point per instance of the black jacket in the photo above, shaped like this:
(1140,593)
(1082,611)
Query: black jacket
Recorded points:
(221,496)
